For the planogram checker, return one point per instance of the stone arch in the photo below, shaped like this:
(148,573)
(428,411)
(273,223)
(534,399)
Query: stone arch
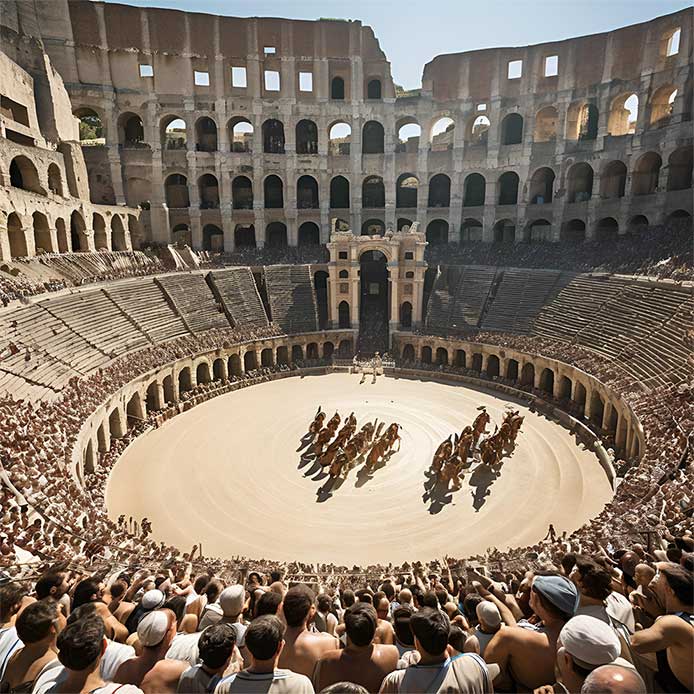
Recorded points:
(582,121)
(309,234)
(184,380)
(442,356)
(343,315)
(219,369)
(205,134)
(17,236)
(644,178)
(346,348)
(637,223)
(276,235)
(623,115)
(42,233)
(661,105)
(504,231)
(340,139)
(373,89)
(306,137)
(606,230)
(512,129)
(297,353)
(493,366)
(460,358)
(115,424)
(78,232)
(437,232)
(597,408)
(240,135)
(538,231)
(547,380)
(339,192)
(307,193)
(61,233)
(91,128)
(439,191)
(508,188)
(574,231)
(134,410)
(174,132)
(527,376)
(208,192)
(242,193)
(282,354)
(212,238)
(512,367)
(234,365)
(541,187)
(565,388)
(273,192)
(152,403)
(409,133)
(406,191)
(408,353)
(168,386)
(312,351)
(442,134)
(373,138)
(579,180)
(266,356)
(181,235)
(176,191)
(337,89)
(426,355)
(474,190)
(23,174)
(477,360)
(373,227)
(202,373)
(613,180)
(273,136)
(118,236)
(470,230)
(546,124)
(131,131)
(580,396)
(328,350)
(244,236)
(373,192)
(477,131)
(679,172)
(405,315)
(55,179)
(250,361)
(100,235)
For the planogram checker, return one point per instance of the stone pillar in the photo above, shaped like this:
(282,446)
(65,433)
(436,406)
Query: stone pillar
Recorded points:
(394,300)
(4,242)
(606,415)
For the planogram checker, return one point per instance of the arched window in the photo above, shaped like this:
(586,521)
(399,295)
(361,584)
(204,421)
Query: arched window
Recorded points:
(306,193)
(406,191)
(403,222)
(637,224)
(339,193)
(504,231)
(337,89)
(373,227)
(23,174)
(176,191)
(42,234)
(606,230)
(208,190)
(680,169)
(340,137)
(613,180)
(212,238)
(276,235)
(512,129)
(306,137)
(244,236)
(131,132)
(541,186)
(78,234)
(309,234)
(408,137)
(118,241)
(623,114)
(181,236)
(474,190)
(205,135)
(442,133)
(100,235)
(17,238)
(644,179)
(588,122)
(173,133)
(662,104)
(273,192)
(508,188)
(242,193)
(546,124)
(406,315)
(574,231)
(273,136)
(539,231)
(373,192)
(344,321)
(240,135)
(580,182)
(55,180)
(91,127)
(373,89)
(439,191)
(437,232)
(479,130)
(372,138)
(471,231)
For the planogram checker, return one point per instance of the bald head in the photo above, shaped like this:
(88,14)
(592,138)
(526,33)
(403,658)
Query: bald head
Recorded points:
(405,596)
(613,679)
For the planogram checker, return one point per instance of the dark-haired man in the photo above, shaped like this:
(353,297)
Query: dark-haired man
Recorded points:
(13,598)
(264,641)
(466,673)
(216,646)
(302,648)
(362,661)
(54,585)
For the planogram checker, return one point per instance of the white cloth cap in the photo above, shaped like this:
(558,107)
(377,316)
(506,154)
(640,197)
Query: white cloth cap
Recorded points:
(152,628)
(231,600)
(488,613)
(590,640)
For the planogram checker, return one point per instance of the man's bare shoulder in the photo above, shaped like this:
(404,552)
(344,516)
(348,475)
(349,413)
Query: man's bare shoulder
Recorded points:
(164,676)
(331,656)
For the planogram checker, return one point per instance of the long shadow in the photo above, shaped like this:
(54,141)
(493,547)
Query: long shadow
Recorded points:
(326,491)
(481,479)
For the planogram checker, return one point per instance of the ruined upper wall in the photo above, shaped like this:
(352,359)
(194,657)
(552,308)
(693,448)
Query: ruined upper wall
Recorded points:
(625,54)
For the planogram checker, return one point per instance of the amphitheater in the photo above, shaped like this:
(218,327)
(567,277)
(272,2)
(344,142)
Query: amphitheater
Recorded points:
(208,223)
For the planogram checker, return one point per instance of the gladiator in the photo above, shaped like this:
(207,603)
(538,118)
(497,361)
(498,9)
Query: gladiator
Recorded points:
(479,425)
(443,453)
(317,423)
(334,422)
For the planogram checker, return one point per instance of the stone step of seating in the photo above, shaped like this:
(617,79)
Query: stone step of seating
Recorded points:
(239,294)
(292,297)
(193,299)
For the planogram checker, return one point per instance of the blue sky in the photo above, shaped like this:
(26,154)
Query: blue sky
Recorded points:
(412,33)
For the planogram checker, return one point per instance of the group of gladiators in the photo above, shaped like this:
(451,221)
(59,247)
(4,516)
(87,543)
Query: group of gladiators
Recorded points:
(453,457)
(373,443)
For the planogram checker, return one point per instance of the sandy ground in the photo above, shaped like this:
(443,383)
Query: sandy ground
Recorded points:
(227,473)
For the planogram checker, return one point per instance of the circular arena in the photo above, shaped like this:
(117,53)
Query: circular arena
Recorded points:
(301,372)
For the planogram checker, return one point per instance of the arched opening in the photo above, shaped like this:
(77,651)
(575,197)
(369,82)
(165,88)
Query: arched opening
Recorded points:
(276,235)
(512,129)
(250,361)
(580,182)
(273,136)
(512,370)
(679,175)
(131,131)
(408,137)
(373,89)
(437,232)
(337,89)
(320,286)
(373,314)
(15,232)
(574,231)
(100,235)
(493,366)
(115,424)
(470,230)
(606,230)
(582,122)
(242,193)
(460,358)
(504,231)
(346,348)
(580,397)
(597,409)
(373,192)
(212,238)
(442,356)
(240,135)
(266,357)
(403,222)
(297,353)
(176,191)
(339,139)
(508,188)
(339,192)
(181,235)
(118,239)
(282,355)
(474,190)
(644,179)
(541,186)
(202,373)
(439,191)
(184,380)
(78,234)
(343,315)
(442,134)
(205,135)
(373,227)
(406,191)
(244,236)
(273,192)
(408,354)
(623,114)
(55,180)
(546,124)
(426,355)
(169,395)
(539,231)
(476,364)
(373,137)
(234,365)
(23,174)
(328,350)
(174,133)
(613,180)
(218,370)
(478,130)
(527,375)
(42,234)
(306,137)
(91,128)
(547,381)
(61,231)
(637,224)
(406,315)
(309,234)
(208,190)
(307,193)
(312,351)
(662,105)
(152,398)
(565,387)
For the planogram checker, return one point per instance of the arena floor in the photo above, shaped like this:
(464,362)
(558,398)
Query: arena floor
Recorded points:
(228,473)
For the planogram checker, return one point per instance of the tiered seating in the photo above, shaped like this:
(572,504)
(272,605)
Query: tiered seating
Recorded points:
(95,317)
(441,300)
(144,302)
(239,295)
(471,297)
(78,267)
(292,301)
(194,301)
